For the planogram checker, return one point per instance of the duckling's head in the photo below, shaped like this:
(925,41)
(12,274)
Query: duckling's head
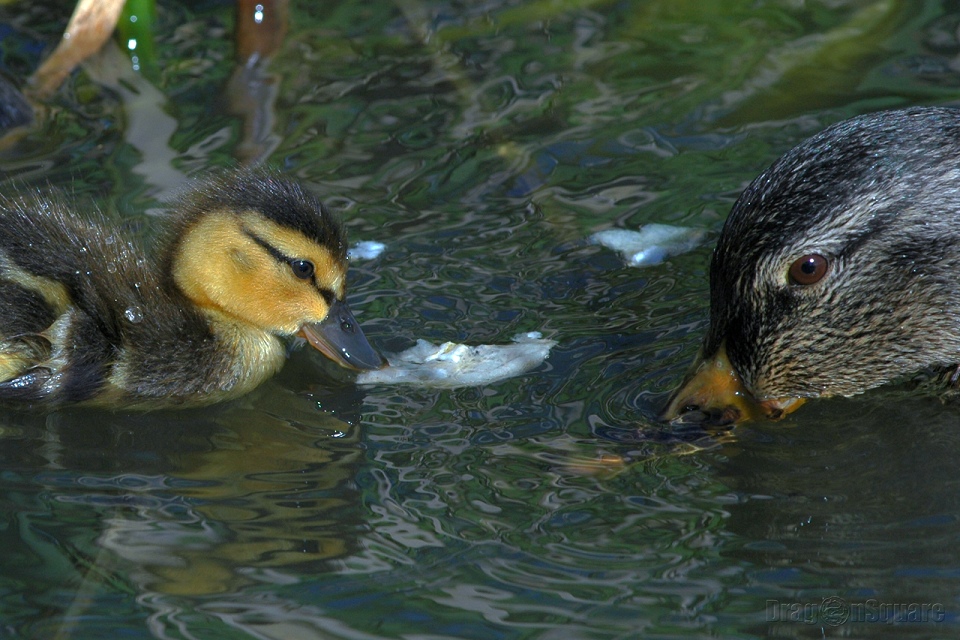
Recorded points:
(257,251)
(837,271)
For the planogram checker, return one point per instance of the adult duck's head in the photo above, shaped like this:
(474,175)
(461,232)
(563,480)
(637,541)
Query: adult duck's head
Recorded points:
(838,270)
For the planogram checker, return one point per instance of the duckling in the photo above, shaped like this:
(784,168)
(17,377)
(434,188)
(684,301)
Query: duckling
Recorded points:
(836,271)
(247,261)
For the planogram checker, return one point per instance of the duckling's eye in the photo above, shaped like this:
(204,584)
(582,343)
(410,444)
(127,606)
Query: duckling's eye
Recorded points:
(808,269)
(303,269)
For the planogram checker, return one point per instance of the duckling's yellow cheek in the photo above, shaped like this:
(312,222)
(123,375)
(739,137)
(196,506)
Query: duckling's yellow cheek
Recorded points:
(241,267)
(241,260)
(268,295)
(285,303)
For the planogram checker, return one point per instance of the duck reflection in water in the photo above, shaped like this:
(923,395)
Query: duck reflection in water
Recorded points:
(203,505)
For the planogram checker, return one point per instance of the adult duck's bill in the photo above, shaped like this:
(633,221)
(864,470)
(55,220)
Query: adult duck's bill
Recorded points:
(340,338)
(714,395)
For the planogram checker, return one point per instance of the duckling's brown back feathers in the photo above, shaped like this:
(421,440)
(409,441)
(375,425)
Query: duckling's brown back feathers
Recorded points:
(87,291)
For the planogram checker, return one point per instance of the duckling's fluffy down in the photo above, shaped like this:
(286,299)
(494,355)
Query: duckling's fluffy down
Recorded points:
(88,313)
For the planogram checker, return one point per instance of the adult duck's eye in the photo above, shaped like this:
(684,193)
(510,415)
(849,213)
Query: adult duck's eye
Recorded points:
(808,270)
(303,269)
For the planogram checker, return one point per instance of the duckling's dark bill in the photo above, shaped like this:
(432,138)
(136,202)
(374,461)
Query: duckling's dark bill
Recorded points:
(715,395)
(340,338)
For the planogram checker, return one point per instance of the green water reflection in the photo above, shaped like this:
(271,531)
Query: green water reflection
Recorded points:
(483,142)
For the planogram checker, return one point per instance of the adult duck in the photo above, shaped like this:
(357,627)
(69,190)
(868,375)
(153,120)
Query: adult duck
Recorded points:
(836,271)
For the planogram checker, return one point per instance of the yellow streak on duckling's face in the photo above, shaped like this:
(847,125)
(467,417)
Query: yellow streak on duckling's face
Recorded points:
(222,265)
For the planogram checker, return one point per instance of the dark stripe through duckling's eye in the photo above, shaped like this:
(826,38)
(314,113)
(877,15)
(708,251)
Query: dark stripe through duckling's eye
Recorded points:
(809,269)
(328,296)
(303,269)
(266,246)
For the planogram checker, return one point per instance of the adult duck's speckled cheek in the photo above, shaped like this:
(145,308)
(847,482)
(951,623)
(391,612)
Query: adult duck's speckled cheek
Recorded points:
(715,395)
